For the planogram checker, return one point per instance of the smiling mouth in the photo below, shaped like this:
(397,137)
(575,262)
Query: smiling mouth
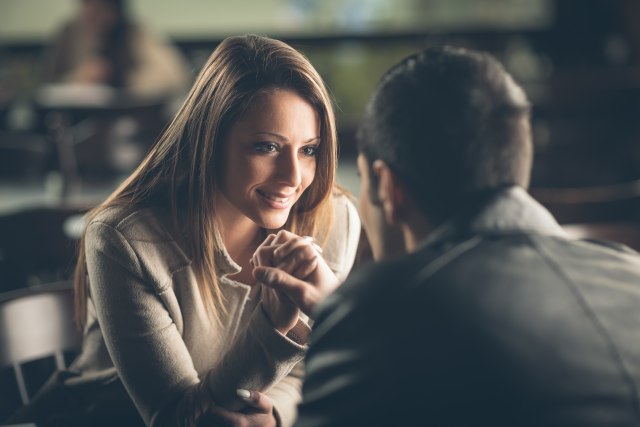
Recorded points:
(277,202)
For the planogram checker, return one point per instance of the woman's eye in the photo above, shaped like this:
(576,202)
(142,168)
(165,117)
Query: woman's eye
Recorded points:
(266,147)
(310,150)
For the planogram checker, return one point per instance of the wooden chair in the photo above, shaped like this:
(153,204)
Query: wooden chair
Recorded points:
(621,232)
(82,122)
(23,156)
(607,203)
(608,212)
(35,247)
(35,323)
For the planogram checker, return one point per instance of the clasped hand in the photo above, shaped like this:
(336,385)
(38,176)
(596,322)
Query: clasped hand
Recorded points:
(297,276)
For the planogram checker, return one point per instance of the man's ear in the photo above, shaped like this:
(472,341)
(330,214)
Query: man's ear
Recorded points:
(391,193)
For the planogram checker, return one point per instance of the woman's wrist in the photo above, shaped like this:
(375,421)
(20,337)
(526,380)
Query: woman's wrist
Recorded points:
(279,324)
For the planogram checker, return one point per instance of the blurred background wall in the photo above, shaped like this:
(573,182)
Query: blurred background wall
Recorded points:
(64,148)
(579,61)
(35,20)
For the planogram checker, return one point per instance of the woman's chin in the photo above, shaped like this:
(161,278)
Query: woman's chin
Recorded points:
(274,223)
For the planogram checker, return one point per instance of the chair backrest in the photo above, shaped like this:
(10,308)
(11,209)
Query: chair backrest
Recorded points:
(627,233)
(23,155)
(34,324)
(606,212)
(606,203)
(35,247)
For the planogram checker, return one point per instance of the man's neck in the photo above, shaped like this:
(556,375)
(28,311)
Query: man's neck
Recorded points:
(415,230)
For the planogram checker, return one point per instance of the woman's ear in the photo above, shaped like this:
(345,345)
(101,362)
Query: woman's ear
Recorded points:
(391,193)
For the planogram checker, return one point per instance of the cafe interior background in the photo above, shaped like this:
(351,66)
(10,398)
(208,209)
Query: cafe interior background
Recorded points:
(578,60)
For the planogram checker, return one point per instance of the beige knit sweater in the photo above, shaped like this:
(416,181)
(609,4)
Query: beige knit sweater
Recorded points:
(147,325)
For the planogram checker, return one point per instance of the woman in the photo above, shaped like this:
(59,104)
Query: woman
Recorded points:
(101,45)
(136,77)
(164,289)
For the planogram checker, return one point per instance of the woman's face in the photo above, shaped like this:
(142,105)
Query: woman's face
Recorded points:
(270,158)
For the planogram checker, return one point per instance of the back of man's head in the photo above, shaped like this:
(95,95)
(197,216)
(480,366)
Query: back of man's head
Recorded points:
(452,124)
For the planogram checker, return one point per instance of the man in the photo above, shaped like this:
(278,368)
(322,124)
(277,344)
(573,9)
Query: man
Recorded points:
(494,317)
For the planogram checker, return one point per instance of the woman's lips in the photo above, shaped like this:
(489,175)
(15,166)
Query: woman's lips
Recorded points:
(276,201)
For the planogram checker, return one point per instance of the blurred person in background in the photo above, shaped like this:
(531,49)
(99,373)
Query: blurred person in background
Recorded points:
(102,45)
(495,316)
(122,80)
(176,328)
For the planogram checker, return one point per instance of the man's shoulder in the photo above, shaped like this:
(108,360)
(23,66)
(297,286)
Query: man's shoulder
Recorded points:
(487,263)
(390,272)
(370,284)
(397,273)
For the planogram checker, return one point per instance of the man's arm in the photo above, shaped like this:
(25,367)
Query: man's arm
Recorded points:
(345,362)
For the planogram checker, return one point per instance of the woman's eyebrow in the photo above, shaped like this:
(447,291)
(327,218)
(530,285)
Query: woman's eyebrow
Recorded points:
(273,134)
(282,137)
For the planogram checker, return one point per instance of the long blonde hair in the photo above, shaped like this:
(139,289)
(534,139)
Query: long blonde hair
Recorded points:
(180,171)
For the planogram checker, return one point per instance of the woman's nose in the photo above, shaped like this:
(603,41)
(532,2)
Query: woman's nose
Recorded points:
(289,168)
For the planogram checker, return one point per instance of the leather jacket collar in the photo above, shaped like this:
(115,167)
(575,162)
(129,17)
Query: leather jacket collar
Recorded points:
(509,210)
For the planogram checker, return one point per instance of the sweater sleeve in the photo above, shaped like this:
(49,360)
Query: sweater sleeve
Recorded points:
(340,249)
(148,350)
(286,395)
(339,252)
(260,356)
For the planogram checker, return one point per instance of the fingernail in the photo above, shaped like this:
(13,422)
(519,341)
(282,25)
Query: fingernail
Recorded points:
(313,243)
(243,394)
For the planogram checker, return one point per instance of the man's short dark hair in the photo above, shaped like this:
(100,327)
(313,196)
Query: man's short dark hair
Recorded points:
(452,124)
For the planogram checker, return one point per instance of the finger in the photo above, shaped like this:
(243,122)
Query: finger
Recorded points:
(301,254)
(264,253)
(279,280)
(284,236)
(285,248)
(263,256)
(296,241)
(268,240)
(313,242)
(259,402)
(305,268)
